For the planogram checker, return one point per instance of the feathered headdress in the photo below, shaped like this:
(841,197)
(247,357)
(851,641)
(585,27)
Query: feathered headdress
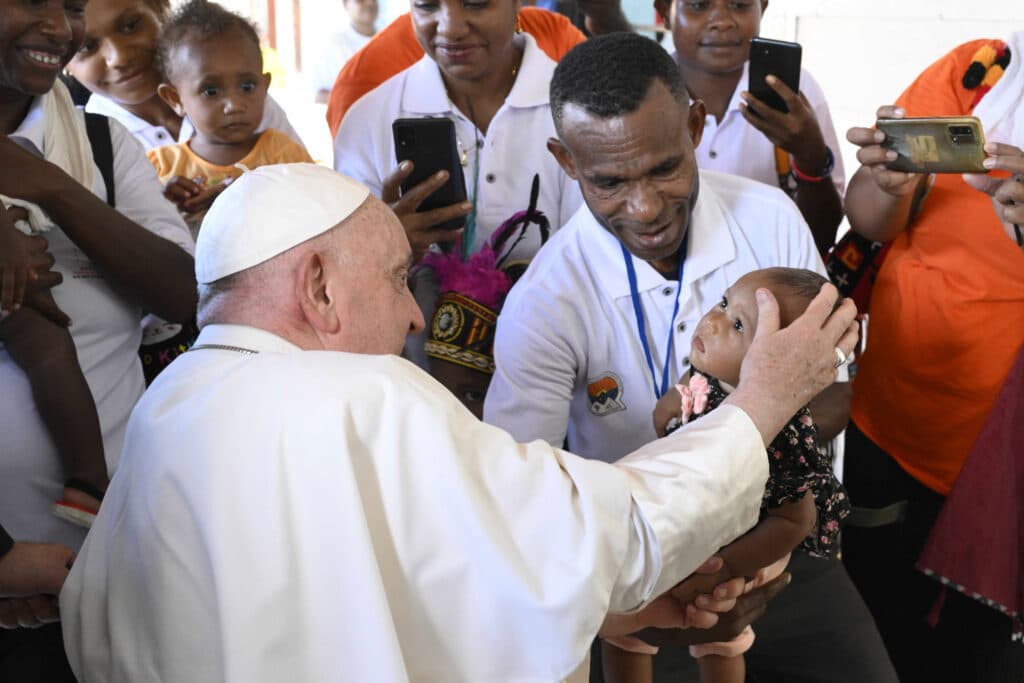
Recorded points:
(473,290)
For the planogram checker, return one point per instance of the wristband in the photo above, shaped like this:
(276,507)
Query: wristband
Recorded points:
(830,163)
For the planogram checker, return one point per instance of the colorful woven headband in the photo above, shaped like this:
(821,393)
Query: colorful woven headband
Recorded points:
(462,332)
(472,291)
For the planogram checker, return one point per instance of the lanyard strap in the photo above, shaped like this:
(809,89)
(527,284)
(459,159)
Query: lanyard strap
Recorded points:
(642,328)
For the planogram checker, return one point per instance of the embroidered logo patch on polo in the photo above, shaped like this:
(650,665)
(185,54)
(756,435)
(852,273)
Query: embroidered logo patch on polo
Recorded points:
(605,395)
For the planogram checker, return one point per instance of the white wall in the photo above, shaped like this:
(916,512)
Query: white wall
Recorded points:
(862,52)
(865,52)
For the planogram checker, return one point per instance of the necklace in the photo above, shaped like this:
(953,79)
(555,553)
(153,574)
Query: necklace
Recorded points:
(223,347)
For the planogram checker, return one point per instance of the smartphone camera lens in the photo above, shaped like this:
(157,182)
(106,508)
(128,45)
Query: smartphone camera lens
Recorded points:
(406,137)
(961,135)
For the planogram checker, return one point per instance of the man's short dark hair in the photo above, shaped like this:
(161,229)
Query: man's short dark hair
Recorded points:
(610,75)
(199,21)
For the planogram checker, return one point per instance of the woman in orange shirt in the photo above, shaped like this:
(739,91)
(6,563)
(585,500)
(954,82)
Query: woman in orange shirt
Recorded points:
(946,324)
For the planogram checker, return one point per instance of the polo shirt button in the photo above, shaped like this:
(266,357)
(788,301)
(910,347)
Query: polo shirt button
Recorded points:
(686,361)
(159,136)
(681,327)
(667,291)
(490,177)
(713,154)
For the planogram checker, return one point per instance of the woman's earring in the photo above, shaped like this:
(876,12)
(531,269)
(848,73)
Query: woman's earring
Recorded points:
(519,25)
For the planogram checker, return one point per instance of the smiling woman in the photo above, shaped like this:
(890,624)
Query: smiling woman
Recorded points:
(68,366)
(117,63)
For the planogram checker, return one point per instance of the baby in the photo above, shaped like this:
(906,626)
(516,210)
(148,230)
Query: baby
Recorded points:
(213,72)
(36,337)
(803,501)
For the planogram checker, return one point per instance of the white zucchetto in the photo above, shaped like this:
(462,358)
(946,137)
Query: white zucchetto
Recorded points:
(269,210)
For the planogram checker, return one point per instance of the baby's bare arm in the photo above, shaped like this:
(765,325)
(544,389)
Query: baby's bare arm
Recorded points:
(773,537)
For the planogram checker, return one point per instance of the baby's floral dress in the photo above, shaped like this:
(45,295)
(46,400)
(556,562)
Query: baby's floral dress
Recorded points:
(795,465)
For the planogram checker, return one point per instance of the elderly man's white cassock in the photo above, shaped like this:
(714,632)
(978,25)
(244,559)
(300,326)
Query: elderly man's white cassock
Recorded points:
(307,516)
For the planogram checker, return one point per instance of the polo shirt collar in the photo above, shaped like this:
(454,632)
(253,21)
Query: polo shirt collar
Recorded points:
(425,92)
(710,246)
(98,104)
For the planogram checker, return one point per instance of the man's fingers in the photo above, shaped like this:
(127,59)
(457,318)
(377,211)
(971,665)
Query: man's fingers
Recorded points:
(840,322)
(47,279)
(411,200)
(820,309)
(6,289)
(391,188)
(20,282)
(425,221)
(45,609)
(711,565)
(767,313)
(48,308)
(889,111)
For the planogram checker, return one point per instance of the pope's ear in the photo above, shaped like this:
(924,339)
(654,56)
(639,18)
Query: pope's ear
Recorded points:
(563,156)
(314,293)
(169,94)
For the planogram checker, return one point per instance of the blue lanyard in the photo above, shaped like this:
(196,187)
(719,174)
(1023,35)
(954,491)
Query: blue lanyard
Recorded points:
(642,328)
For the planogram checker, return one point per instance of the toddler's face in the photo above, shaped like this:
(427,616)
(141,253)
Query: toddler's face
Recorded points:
(221,86)
(469,386)
(726,331)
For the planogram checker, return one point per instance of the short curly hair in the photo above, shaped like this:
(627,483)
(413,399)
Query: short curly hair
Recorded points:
(198,21)
(610,75)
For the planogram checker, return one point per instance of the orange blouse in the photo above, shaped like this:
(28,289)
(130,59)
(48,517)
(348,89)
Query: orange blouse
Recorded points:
(947,311)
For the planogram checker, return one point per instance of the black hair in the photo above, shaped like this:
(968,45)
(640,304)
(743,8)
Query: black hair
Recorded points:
(610,75)
(161,7)
(199,20)
(799,282)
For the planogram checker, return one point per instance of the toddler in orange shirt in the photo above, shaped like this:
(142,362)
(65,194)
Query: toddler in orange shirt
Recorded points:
(213,72)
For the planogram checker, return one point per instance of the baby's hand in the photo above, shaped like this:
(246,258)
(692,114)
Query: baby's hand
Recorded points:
(180,189)
(192,195)
(669,408)
(15,261)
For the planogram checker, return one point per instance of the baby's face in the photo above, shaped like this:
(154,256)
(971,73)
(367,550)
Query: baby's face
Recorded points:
(221,86)
(726,331)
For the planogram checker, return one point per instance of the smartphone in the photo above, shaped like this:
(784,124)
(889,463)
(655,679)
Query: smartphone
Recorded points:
(939,144)
(778,58)
(430,144)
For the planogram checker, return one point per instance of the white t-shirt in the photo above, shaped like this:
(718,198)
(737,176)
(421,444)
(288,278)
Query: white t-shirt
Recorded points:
(735,146)
(323,517)
(105,329)
(568,354)
(331,53)
(513,150)
(156,136)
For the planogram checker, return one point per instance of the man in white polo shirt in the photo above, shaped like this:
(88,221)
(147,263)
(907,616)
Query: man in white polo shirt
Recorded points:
(600,324)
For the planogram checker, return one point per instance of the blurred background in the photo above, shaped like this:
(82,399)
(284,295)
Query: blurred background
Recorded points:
(862,52)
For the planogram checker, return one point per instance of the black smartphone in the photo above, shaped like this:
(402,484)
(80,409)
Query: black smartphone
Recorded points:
(939,144)
(430,144)
(778,58)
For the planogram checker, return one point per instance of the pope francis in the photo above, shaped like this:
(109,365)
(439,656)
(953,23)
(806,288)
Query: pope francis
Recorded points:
(294,502)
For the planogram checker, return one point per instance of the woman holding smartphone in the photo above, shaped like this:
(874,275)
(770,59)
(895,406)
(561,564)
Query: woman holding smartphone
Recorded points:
(797,151)
(491,80)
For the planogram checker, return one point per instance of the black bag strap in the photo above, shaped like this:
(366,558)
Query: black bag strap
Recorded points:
(98,128)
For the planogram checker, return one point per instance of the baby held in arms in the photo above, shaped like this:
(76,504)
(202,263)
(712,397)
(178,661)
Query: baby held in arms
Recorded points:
(803,501)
